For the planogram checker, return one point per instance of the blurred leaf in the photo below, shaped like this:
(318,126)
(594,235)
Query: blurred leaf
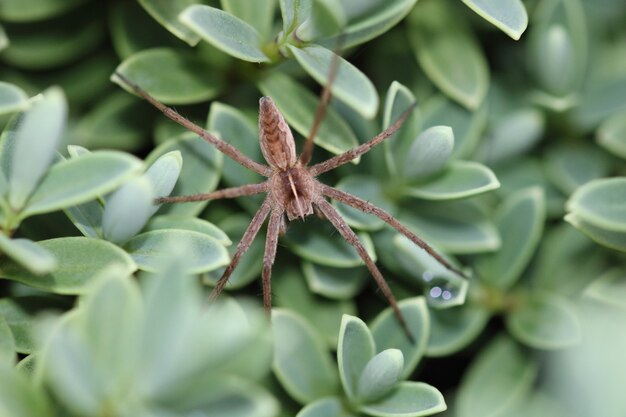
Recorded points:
(290,292)
(20,397)
(520,220)
(224,31)
(320,244)
(28,254)
(79,260)
(12,98)
(429,152)
(570,166)
(611,134)
(294,13)
(367,188)
(453,329)
(350,84)
(29,155)
(87,218)
(298,105)
(170,75)
(609,288)
(200,172)
(204,253)
(117,121)
(598,204)
(335,283)
(301,361)
(509,16)
(612,238)
(31,10)
(92,176)
(166,12)
(325,407)
(388,333)
(601,99)
(326,19)
(128,210)
(408,399)
(188,223)
(380,375)
(4,40)
(460,179)
(545,321)
(510,371)
(259,13)
(452,58)
(7,344)
(355,349)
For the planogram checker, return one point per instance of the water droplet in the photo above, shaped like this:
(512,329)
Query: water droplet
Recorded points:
(443,292)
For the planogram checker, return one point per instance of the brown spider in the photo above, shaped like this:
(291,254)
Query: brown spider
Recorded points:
(292,189)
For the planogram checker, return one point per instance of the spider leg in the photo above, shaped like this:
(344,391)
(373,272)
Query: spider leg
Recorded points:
(348,234)
(242,247)
(232,192)
(368,207)
(348,156)
(271,242)
(224,147)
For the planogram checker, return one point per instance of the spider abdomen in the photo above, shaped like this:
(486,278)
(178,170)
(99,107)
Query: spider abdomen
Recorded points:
(276,139)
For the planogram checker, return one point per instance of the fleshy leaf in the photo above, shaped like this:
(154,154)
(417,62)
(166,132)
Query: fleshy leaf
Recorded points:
(570,166)
(609,288)
(259,13)
(7,344)
(189,223)
(355,349)
(507,15)
(325,407)
(33,10)
(28,254)
(453,329)
(544,321)
(350,84)
(225,32)
(408,399)
(79,260)
(367,188)
(335,283)
(163,174)
(429,152)
(614,239)
(166,13)
(611,134)
(601,203)
(12,98)
(127,210)
(301,360)
(380,374)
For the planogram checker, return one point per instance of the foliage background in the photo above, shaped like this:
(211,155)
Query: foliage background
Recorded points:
(512,166)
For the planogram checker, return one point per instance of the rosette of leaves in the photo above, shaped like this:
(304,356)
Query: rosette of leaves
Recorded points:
(146,349)
(372,365)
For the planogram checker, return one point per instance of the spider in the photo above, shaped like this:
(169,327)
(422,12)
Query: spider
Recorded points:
(293,189)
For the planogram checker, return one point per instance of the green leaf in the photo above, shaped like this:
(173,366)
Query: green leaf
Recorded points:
(7,344)
(570,166)
(301,360)
(166,13)
(79,261)
(408,399)
(609,288)
(380,375)
(20,397)
(163,174)
(449,54)
(354,351)
(204,254)
(4,40)
(429,152)
(520,220)
(599,203)
(200,172)
(32,10)
(367,188)
(259,14)
(335,283)
(28,254)
(601,99)
(325,407)
(128,210)
(87,218)
(317,243)
(611,134)
(31,154)
(369,19)
(509,15)
(324,315)
(460,179)
(92,175)
(189,223)
(118,121)
(454,328)
(326,18)
(350,85)
(510,371)
(545,321)
(294,13)
(298,106)
(170,75)
(455,227)
(388,333)
(224,31)
(12,98)
(614,239)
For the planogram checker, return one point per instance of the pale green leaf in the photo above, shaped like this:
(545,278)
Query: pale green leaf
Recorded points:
(355,349)
(380,375)
(507,15)
(127,210)
(28,254)
(408,399)
(166,13)
(12,98)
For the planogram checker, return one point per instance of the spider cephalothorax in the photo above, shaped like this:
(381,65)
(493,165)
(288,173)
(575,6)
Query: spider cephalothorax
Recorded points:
(292,189)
